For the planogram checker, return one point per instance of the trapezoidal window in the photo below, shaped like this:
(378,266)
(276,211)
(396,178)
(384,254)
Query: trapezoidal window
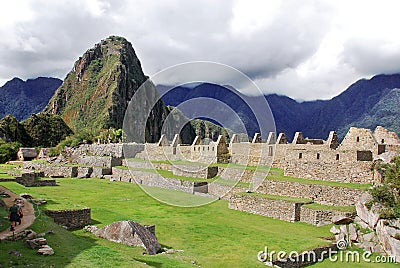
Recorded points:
(358,139)
(300,155)
(318,155)
(337,156)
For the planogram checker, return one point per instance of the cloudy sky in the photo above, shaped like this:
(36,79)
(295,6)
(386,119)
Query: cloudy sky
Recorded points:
(301,48)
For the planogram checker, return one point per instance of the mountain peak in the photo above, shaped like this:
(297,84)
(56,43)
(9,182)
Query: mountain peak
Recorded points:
(96,92)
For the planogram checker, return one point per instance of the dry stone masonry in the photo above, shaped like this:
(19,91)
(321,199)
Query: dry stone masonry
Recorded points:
(71,219)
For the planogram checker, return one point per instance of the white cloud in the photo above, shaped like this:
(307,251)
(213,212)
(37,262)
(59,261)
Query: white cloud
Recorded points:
(305,49)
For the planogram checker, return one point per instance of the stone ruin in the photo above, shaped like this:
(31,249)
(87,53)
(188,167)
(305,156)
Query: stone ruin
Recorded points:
(350,161)
(129,233)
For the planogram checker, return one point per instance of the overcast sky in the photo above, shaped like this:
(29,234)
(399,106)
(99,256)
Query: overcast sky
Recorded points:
(304,49)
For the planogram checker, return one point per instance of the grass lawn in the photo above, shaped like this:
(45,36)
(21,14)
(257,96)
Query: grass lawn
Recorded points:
(5,223)
(211,236)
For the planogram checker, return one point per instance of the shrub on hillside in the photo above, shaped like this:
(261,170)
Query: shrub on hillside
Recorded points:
(387,194)
(8,151)
(72,141)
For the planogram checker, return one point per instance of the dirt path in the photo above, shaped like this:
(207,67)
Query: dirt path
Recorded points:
(27,209)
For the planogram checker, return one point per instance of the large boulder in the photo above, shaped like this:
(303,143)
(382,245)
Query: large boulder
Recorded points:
(45,250)
(341,219)
(369,216)
(362,210)
(130,233)
(387,237)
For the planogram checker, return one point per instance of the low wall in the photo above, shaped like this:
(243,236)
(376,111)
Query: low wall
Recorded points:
(145,164)
(194,171)
(99,172)
(54,171)
(340,171)
(320,217)
(322,194)
(71,219)
(156,180)
(98,161)
(84,172)
(277,209)
(112,149)
(224,191)
(236,174)
(35,182)
(31,179)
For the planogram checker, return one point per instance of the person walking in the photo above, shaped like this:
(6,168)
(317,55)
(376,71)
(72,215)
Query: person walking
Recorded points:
(13,216)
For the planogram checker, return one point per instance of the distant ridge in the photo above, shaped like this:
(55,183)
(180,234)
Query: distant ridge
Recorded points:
(23,98)
(366,103)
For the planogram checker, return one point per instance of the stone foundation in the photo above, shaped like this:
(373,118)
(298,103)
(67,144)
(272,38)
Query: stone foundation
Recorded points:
(31,179)
(156,180)
(224,191)
(322,194)
(320,217)
(273,208)
(71,219)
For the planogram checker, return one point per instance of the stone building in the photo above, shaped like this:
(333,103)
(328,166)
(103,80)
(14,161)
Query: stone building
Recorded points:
(26,154)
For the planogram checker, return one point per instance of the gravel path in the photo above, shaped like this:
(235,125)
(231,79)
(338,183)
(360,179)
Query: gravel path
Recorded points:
(27,209)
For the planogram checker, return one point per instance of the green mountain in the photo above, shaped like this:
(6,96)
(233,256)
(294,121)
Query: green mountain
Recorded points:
(40,129)
(96,93)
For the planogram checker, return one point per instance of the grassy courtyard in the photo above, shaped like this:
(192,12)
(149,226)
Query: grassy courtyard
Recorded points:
(211,235)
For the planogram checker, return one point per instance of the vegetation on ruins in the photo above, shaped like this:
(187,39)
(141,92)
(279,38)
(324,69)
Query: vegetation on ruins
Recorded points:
(387,194)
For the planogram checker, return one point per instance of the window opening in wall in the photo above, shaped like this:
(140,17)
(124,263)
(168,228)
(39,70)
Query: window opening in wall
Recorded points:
(383,140)
(300,155)
(358,139)
(194,149)
(203,148)
(208,148)
(337,157)
(270,152)
(213,148)
(318,155)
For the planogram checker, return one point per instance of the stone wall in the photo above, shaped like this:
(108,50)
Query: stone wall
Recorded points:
(236,174)
(340,171)
(84,172)
(55,171)
(223,191)
(156,180)
(71,219)
(384,136)
(320,217)
(322,194)
(359,139)
(99,172)
(98,161)
(33,182)
(153,151)
(133,176)
(194,171)
(252,154)
(112,149)
(32,179)
(277,209)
